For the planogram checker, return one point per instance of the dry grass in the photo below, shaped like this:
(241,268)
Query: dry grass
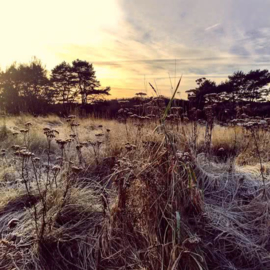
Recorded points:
(139,199)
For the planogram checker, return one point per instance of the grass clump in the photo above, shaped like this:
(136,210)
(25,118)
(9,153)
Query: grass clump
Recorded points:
(77,196)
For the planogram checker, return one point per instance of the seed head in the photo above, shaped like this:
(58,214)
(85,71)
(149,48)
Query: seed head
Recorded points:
(60,142)
(84,144)
(56,168)
(79,146)
(36,159)
(76,169)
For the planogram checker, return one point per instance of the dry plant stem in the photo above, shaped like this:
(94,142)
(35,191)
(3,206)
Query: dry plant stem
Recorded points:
(253,132)
(25,180)
(62,155)
(55,178)
(126,129)
(28,137)
(232,158)
(37,180)
(194,136)
(208,135)
(47,183)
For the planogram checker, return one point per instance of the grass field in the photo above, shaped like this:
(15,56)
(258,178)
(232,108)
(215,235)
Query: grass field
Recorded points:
(100,194)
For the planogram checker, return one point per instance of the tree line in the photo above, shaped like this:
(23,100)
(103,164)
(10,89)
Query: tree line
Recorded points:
(29,88)
(239,89)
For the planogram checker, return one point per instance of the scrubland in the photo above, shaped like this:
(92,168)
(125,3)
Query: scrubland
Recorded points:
(86,193)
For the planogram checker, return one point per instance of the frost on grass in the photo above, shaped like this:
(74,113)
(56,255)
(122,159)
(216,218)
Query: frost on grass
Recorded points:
(134,194)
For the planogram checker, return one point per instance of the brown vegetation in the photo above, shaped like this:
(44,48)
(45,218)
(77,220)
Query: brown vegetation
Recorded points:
(135,194)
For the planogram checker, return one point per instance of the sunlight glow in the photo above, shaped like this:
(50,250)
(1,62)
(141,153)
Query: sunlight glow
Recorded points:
(42,28)
(128,41)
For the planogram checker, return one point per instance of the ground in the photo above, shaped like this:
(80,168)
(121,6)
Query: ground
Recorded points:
(86,193)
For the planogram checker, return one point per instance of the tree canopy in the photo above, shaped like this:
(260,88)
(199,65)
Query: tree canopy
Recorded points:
(239,87)
(28,88)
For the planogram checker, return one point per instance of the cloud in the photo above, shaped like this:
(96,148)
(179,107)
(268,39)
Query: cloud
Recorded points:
(212,27)
(128,41)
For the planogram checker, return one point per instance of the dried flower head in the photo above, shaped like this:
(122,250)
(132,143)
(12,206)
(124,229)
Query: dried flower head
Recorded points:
(79,146)
(84,144)
(3,152)
(60,142)
(56,168)
(76,169)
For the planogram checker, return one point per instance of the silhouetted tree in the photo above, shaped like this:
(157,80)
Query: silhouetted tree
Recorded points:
(248,87)
(197,95)
(141,94)
(25,87)
(240,87)
(86,82)
(63,83)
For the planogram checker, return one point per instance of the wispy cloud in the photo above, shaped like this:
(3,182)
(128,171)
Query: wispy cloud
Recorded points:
(128,41)
(212,27)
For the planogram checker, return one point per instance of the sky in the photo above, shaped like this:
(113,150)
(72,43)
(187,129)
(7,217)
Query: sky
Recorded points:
(134,42)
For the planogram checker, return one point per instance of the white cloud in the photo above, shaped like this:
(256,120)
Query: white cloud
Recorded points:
(212,27)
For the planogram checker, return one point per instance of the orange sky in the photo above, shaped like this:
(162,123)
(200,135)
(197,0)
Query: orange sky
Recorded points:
(132,43)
